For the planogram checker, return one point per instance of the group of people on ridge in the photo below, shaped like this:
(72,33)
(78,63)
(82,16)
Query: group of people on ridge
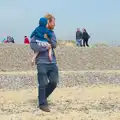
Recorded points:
(82,37)
(8,39)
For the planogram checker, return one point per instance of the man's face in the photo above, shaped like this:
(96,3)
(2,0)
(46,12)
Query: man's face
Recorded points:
(51,24)
(83,30)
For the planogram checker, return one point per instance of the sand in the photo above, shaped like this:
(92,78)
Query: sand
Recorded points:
(88,89)
(87,103)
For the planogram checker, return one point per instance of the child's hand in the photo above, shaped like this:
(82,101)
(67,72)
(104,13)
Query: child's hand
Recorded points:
(45,36)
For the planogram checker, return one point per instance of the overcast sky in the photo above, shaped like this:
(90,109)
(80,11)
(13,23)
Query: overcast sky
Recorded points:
(101,18)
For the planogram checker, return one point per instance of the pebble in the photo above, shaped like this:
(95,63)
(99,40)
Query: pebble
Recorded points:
(15,57)
(66,80)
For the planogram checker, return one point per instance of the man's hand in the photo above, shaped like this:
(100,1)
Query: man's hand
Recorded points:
(45,36)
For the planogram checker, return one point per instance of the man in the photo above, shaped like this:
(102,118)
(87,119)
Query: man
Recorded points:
(26,40)
(85,37)
(78,37)
(47,70)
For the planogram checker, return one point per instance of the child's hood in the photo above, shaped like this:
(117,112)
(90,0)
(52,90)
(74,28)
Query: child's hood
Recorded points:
(43,22)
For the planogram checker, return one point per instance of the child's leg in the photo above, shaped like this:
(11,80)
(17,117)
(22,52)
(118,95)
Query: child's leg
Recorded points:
(33,58)
(46,44)
(50,54)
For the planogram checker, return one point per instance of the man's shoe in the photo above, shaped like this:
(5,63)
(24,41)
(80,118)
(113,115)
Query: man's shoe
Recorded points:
(44,108)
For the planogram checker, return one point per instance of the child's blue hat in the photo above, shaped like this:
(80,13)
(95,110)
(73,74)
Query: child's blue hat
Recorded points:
(43,22)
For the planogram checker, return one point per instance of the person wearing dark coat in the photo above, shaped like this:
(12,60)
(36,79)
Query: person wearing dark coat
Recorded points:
(85,37)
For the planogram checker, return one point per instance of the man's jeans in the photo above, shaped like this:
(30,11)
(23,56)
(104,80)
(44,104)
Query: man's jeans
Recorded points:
(79,42)
(47,81)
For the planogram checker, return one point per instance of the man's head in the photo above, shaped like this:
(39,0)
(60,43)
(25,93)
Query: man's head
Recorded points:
(51,21)
(84,30)
(78,29)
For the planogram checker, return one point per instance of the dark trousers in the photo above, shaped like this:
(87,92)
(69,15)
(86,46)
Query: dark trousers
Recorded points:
(47,81)
(85,42)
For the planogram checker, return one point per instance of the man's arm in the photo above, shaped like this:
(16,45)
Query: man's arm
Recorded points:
(88,36)
(81,35)
(35,47)
(53,41)
(49,34)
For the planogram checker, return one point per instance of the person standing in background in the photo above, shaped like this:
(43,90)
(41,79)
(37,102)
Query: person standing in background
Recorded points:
(78,37)
(85,37)
(26,40)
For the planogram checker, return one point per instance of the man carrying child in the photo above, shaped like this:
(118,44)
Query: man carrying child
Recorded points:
(47,70)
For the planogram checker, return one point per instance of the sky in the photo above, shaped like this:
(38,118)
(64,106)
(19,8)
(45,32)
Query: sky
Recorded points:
(101,18)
